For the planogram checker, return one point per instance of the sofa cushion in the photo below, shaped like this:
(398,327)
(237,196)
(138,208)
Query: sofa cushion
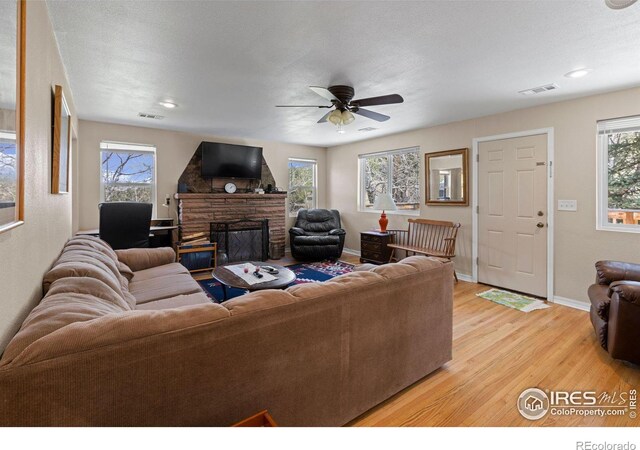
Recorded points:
(175,302)
(94,243)
(160,272)
(69,300)
(335,286)
(159,288)
(258,301)
(125,271)
(144,258)
(82,269)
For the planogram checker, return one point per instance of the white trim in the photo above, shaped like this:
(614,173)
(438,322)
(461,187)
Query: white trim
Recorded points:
(571,303)
(361,190)
(314,187)
(465,277)
(131,148)
(397,212)
(602,183)
(550,199)
(351,251)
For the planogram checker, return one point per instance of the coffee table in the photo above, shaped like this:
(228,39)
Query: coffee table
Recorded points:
(228,279)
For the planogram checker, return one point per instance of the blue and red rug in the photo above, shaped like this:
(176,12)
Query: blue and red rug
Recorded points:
(305,273)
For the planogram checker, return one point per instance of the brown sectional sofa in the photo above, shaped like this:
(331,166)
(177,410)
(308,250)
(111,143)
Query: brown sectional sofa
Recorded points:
(127,338)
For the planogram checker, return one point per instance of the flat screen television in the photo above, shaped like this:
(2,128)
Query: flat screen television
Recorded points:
(230,161)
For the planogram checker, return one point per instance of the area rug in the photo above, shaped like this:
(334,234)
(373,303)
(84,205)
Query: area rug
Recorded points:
(305,273)
(513,300)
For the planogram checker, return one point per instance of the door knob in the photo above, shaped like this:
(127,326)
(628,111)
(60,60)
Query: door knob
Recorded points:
(540,225)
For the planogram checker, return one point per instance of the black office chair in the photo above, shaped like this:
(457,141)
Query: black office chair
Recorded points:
(125,224)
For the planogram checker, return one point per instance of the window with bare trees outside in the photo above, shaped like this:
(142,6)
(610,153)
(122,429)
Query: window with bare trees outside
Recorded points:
(302,185)
(619,174)
(395,171)
(127,173)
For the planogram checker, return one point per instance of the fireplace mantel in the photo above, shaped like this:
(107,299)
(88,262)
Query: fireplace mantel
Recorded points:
(197,211)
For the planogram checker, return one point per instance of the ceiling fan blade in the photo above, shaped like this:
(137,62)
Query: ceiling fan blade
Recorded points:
(382,100)
(371,115)
(303,106)
(324,93)
(324,118)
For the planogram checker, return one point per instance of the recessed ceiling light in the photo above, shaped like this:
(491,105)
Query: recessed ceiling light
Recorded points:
(577,73)
(619,4)
(168,105)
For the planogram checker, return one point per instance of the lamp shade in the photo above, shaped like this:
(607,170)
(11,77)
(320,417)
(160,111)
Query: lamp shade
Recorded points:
(347,117)
(384,202)
(335,117)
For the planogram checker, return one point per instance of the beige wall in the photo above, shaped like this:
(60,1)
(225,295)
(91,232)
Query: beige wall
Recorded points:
(173,152)
(577,243)
(28,251)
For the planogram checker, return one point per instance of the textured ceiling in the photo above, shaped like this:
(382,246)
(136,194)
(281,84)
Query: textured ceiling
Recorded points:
(226,64)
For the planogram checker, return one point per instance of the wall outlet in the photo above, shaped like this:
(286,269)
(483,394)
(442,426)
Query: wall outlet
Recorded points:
(167,200)
(567,205)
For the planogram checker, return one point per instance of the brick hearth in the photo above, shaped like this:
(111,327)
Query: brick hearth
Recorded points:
(196,211)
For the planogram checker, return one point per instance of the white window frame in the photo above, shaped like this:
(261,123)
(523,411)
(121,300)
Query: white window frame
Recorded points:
(605,128)
(314,188)
(122,147)
(362,190)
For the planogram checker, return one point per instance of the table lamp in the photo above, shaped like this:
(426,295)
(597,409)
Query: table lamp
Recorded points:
(384,202)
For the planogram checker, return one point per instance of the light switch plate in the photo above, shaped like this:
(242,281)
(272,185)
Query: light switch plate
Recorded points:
(567,205)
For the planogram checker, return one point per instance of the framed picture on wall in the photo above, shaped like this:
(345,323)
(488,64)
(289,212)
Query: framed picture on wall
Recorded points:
(61,143)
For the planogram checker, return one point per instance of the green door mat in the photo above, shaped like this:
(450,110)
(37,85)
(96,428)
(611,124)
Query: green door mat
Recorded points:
(513,300)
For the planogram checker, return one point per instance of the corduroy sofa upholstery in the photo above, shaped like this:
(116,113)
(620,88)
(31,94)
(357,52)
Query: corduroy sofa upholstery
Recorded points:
(106,348)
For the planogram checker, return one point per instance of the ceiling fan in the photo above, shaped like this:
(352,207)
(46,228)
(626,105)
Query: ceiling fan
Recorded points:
(341,99)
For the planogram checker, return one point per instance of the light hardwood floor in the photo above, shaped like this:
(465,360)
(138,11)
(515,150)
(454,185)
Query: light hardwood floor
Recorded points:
(497,353)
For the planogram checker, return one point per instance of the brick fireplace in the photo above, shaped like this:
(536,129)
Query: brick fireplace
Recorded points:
(198,211)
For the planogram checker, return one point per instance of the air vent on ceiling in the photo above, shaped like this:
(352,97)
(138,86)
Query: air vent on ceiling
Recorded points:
(539,89)
(367,129)
(150,116)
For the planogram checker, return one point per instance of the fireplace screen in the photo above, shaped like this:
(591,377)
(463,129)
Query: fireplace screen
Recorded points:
(241,240)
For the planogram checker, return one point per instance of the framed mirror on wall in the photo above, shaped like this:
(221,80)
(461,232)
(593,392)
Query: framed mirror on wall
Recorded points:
(447,177)
(12,66)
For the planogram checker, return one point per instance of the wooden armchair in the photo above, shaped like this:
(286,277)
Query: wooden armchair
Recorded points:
(426,237)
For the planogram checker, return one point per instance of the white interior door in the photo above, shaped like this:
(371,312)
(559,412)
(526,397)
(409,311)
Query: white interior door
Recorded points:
(512,214)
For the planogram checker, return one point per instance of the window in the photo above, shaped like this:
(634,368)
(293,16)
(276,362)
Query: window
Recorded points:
(128,173)
(8,177)
(302,185)
(619,174)
(395,171)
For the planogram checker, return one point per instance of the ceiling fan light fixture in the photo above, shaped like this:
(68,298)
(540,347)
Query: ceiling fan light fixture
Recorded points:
(347,117)
(335,117)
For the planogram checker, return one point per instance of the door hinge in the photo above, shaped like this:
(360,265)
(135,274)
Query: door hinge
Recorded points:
(477,260)
(550,169)
(477,157)
(477,209)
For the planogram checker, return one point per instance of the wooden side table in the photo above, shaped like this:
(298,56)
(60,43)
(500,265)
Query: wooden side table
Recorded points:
(262,419)
(373,247)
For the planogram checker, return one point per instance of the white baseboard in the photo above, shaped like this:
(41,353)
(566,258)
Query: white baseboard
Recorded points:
(571,303)
(464,277)
(350,251)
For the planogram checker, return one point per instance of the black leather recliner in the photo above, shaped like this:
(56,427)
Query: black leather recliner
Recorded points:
(317,235)
(125,224)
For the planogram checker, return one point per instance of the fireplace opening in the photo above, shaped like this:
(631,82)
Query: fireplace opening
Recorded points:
(241,240)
